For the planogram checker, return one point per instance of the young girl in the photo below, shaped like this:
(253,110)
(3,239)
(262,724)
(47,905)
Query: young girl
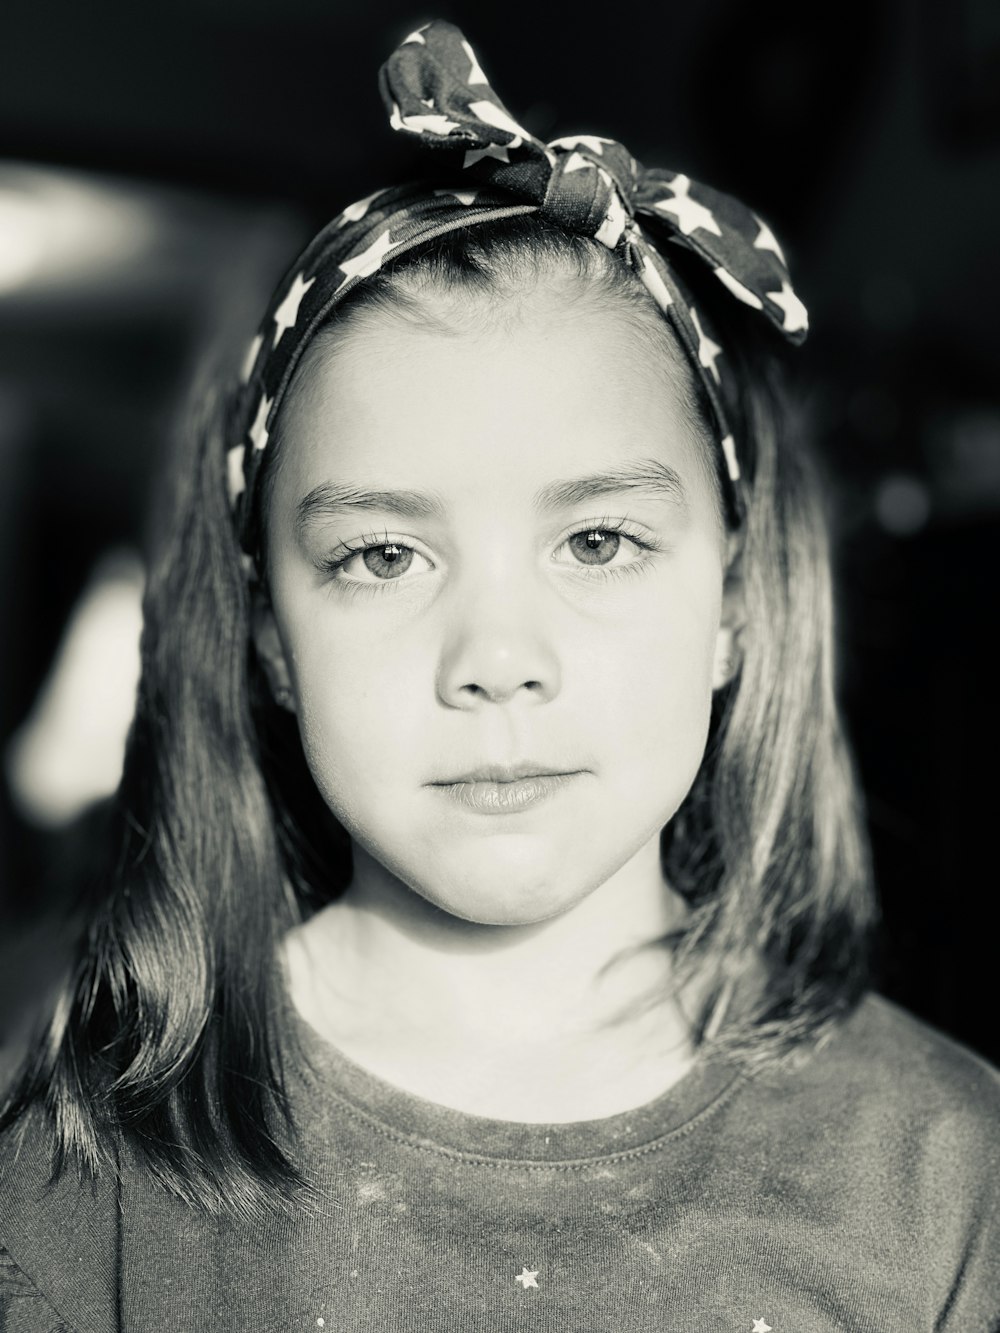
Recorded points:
(484,946)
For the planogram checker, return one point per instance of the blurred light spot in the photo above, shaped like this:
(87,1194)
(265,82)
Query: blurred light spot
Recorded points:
(69,751)
(58,228)
(903,504)
(22,239)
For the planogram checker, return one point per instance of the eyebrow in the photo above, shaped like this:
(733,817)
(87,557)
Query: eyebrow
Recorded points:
(649,476)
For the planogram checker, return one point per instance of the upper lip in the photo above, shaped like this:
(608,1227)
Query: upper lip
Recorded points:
(528,768)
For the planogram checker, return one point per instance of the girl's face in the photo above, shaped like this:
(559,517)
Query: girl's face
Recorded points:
(543,584)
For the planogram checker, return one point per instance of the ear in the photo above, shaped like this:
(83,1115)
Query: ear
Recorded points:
(270,651)
(728,648)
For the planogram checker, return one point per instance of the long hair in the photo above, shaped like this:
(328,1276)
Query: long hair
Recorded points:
(167,1033)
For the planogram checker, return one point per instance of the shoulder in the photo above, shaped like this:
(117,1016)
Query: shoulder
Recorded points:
(888,1095)
(892,1128)
(887,1079)
(909,1065)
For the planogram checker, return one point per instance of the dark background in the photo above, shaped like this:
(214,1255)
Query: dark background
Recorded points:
(160,165)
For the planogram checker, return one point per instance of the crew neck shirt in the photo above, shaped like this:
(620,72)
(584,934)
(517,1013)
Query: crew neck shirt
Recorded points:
(855,1189)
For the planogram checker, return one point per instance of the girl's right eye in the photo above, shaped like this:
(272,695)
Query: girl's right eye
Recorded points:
(384,560)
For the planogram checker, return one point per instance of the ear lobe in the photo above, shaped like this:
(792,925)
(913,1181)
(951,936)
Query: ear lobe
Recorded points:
(270,652)
(726,661)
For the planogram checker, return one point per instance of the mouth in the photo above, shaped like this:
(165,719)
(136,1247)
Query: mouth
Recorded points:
(504,773)
(487,795)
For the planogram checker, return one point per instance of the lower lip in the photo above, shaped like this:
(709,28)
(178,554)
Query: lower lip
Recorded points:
(506,798)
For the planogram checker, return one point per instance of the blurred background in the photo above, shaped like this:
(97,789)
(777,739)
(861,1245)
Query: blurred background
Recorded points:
(159,166)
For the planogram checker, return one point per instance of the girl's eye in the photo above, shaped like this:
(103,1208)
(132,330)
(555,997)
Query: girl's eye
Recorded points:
(383,560)
(377,562)
(599,546)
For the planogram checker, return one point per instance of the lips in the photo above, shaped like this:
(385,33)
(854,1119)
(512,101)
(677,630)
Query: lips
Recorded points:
(504,773)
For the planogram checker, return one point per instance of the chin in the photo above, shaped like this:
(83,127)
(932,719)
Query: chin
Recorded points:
(508,903)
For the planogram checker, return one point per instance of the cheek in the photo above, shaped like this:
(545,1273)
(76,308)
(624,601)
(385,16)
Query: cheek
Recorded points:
(359,714)
(658,698)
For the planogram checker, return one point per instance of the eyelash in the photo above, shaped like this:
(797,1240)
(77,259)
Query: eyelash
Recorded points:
(372,541)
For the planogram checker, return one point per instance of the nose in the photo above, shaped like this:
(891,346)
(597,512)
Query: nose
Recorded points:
(497,647)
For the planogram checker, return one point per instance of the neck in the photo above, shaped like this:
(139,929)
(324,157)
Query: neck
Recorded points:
(559,1020)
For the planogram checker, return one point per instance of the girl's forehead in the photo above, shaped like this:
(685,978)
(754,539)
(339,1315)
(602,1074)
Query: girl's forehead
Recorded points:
(547,390)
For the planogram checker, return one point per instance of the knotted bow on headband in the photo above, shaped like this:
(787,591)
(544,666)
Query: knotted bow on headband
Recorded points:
(434,89)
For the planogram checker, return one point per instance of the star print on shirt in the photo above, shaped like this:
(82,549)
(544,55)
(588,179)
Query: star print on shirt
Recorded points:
(288,312)
(760,1327)
(526,1277)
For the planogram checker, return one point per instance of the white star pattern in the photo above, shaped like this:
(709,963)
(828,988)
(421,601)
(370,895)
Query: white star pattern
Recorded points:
(760,1327)
(474,155)
(465,197)
(795,314)
(690,214)
(417,36)
(741,293)
(234,472)
(655,285)
(610,231)
(356,211)
(496,116)
(526,1277)
(250,360)
(577,162)
(707,350)
(766,240)
(430,124)
(288,312)
(368,261)
(732,462)
(475,74)
(258,431)
(591,141)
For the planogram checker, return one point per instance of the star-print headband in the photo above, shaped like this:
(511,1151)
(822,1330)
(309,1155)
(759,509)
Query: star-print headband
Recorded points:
(435,90)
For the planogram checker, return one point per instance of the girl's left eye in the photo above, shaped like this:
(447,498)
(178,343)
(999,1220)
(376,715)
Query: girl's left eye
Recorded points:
(598,546)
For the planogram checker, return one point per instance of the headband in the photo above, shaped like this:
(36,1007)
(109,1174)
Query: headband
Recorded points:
(434,89)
